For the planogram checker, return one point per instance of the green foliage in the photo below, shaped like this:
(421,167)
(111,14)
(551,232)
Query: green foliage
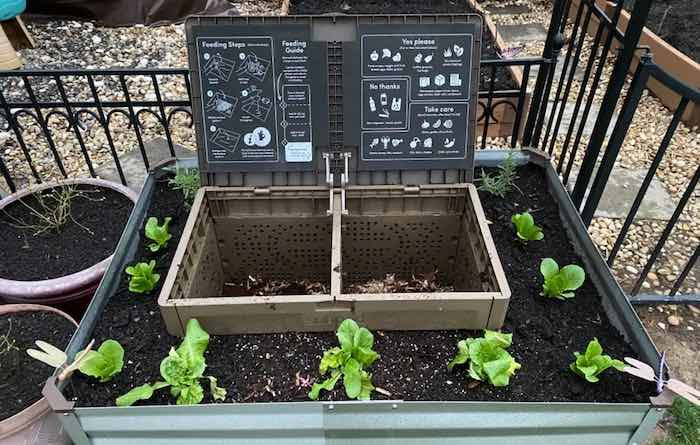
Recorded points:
(488,358)
(156,233)
(142,280)
(590,364)
(685,429)
(349,361)
(181,369)
(526,228)
(187,181)
(502,182)
(104,363)
(559,283)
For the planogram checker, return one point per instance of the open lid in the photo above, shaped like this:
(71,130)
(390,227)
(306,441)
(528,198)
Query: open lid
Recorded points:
(279,99)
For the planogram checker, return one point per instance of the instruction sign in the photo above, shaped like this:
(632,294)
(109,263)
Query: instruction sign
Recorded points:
(256,94)
(415,94)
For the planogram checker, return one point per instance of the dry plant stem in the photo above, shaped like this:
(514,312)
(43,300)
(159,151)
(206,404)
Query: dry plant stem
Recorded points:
(53,212)
(6,343)
(70,369)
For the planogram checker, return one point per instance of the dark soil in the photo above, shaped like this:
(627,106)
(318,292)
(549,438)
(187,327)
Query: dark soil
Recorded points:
(22,377)
(677,22)
(413,365)
(503,81)
(90,236)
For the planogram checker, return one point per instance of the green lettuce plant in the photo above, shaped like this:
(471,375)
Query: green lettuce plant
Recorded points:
(591,363)
(487,357)
(560,283)
(349,362)
(104,363)
(182,371)
(525,227)
(142,280)
(156,233)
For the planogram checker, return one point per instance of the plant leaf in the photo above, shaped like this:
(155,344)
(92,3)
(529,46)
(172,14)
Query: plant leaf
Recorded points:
(590,364)
(142,392)
(352,378)
(157,233)
(549,268)
(574,276)
(331,359)
(367,387)
(104,363)
(193,346)
(191,395)
(217,392)
(327,384)
(346,334)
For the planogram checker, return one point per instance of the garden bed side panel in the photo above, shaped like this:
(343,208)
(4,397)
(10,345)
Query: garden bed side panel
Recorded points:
(665,55)
(376,422)
(504,109)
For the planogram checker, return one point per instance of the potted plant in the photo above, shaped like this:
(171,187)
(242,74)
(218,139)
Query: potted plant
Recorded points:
(24,410)
(58,239)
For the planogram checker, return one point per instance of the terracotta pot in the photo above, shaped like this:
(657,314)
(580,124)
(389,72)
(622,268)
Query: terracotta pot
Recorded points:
(32,422)
(70,292)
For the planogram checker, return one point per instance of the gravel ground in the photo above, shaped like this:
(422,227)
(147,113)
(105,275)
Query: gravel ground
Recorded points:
(82,45)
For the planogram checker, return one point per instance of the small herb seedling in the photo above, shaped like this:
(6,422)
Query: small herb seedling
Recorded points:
(560,283)
(142,280)
(182,370)
(187,181)
(348,361)
(502,182)
(526,228)
(488,358)
(102,364)
(590,364)
(156,233)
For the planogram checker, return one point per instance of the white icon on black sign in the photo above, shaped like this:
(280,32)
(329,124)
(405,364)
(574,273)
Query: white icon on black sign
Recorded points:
(374,56)
(414,143)
(256,105)
(449,143)
(437,123)
(259,137)
(222,103)
(386,53)
(396,57)
(254,67)
(439,80)
(425,124)
(424,82)
(458,50)
(447,123)
(428,143)
(428,58)
(385,141)
(395,142)
(418,58)
(395,104)
(226,139)
(372,105)
(219,67)
(374,143)
(455,80)
(447,53)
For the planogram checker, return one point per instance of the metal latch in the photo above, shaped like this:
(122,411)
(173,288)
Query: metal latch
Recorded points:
(261,191)
(330,179)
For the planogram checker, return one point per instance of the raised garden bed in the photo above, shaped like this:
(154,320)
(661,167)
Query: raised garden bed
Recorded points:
(58,239)
(412,367)
(510,78)
(672,59)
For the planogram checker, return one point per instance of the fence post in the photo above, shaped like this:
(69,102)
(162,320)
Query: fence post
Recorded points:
(629,108)
(540,95)
(607,108)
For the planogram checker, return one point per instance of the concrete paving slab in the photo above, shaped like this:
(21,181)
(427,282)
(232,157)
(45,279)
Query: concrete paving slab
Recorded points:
(621,191)
(508,9)
(528,32)
(132,162)
(568,115)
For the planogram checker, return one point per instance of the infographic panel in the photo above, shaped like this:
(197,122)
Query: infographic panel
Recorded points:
(415,96)
(256,99)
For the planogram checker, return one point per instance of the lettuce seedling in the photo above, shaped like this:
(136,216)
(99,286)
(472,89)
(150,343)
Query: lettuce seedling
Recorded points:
(181,369)
(590,364)
(559,283)
(526,228)
(488,358)
(104,363)
(349,361)
(142,280)
(159,234)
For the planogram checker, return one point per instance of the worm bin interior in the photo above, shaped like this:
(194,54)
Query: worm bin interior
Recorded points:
(337,190)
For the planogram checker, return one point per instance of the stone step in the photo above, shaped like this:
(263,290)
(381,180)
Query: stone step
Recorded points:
(528,32)
(508,9)
(132,162)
